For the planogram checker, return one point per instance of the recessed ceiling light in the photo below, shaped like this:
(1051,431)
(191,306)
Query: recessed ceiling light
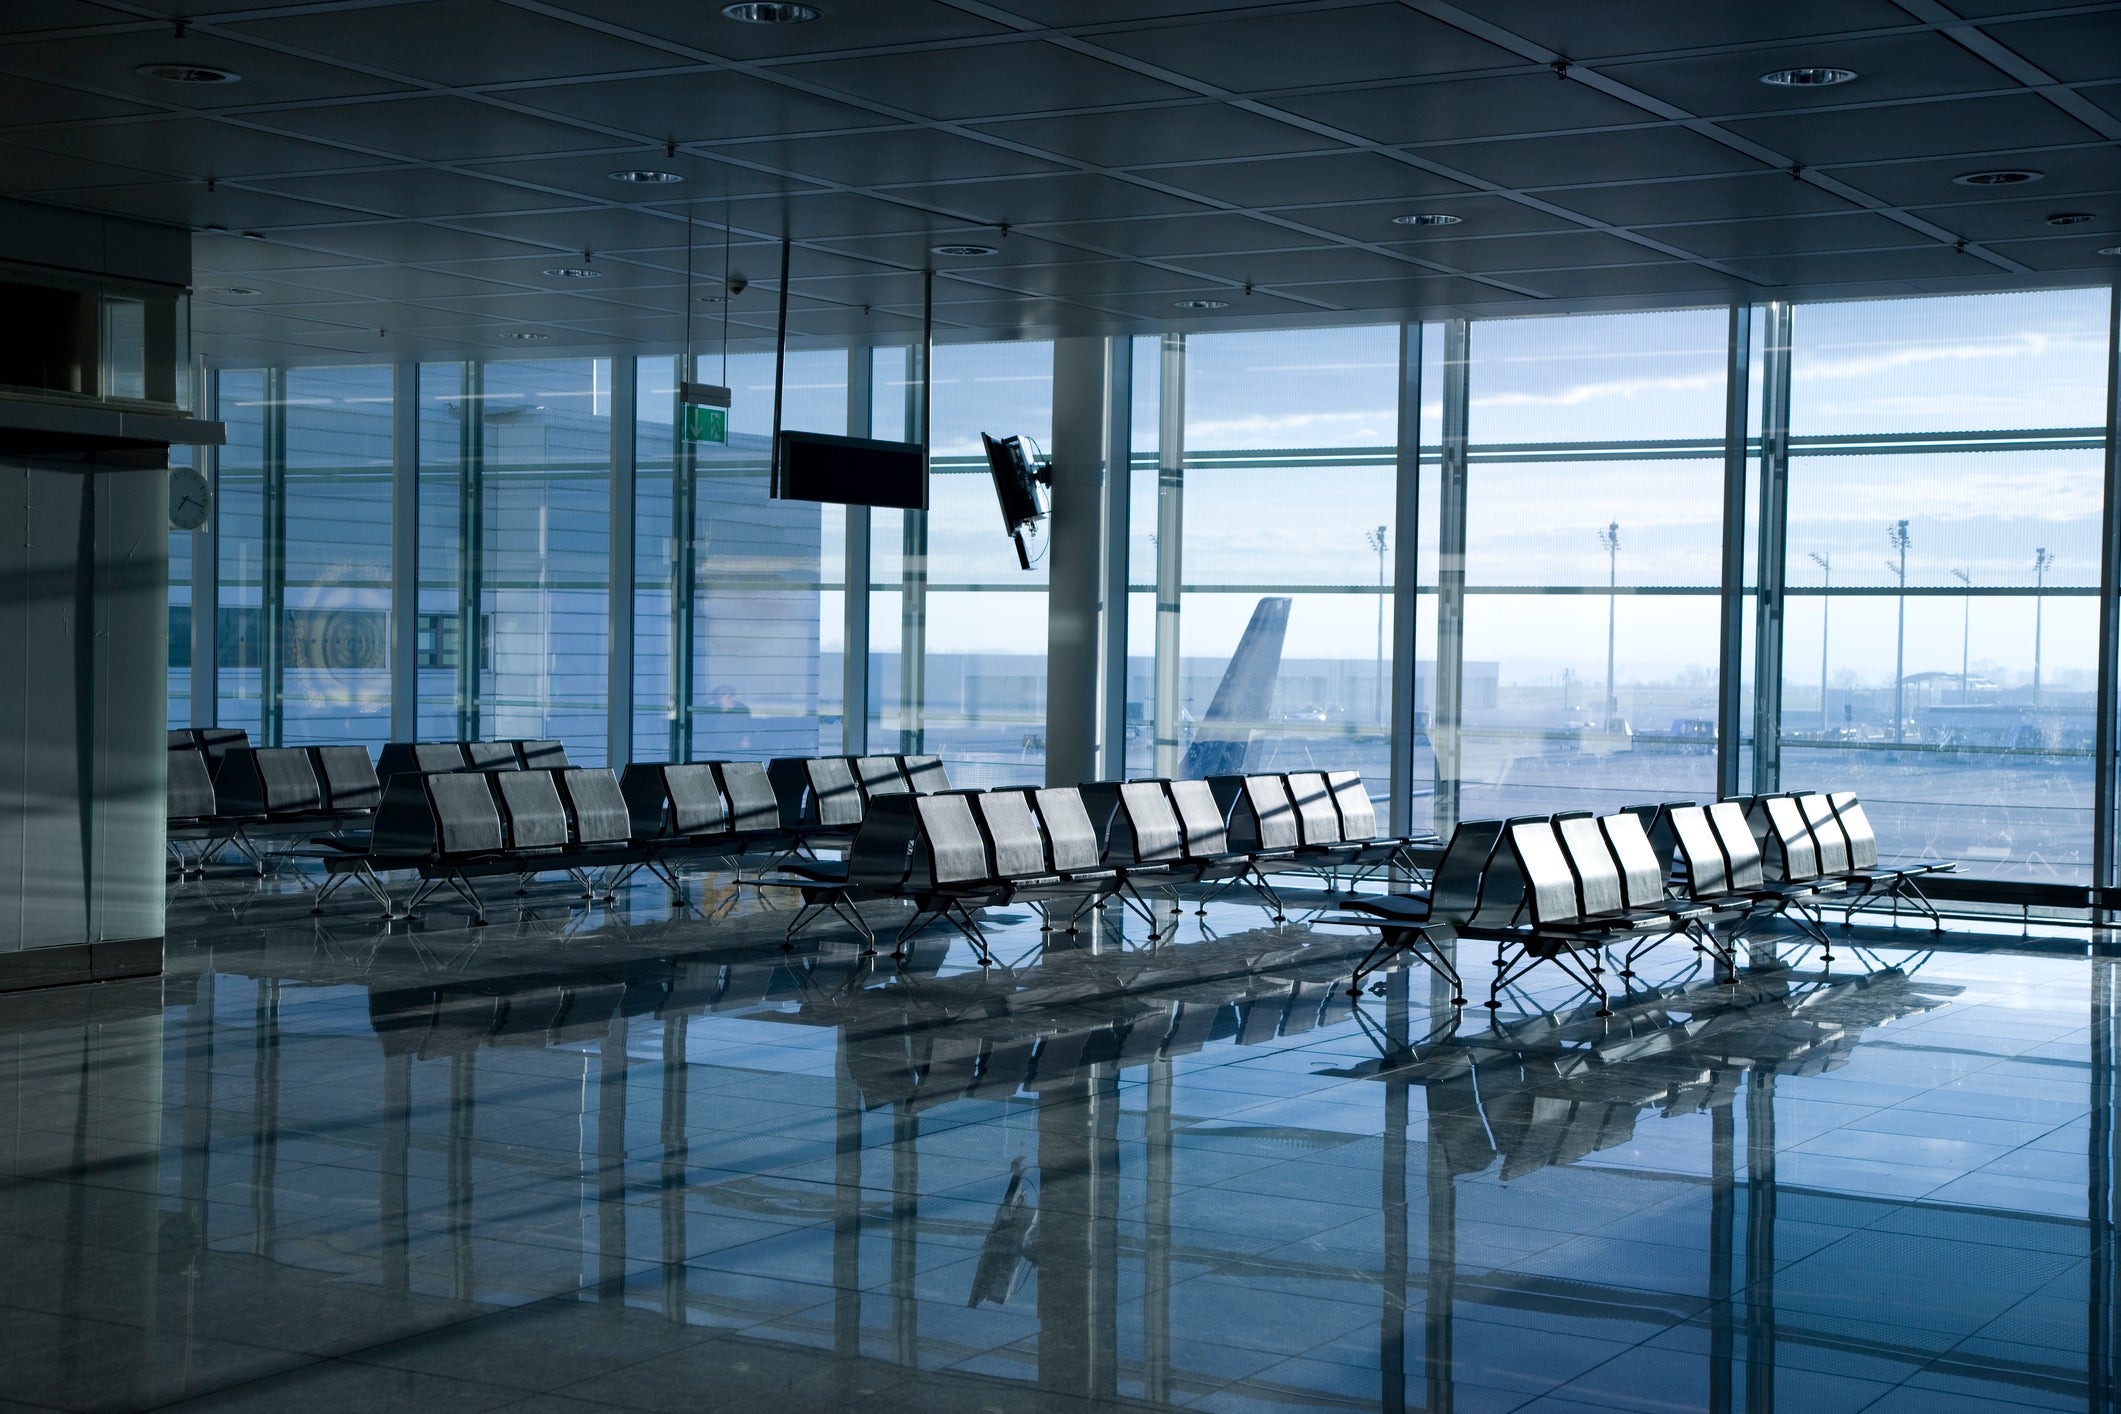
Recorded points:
(714,299)
(2005,177)
(1425,218)
(232,291)
(524,336)
(2070,218)
(574,272)
(962,249)
(188,73)
(2109,250)
(762,12)
(1814,76)
(645,176)
(1200,304)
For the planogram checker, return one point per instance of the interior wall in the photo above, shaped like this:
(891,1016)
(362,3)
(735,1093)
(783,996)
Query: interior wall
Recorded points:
(83,660)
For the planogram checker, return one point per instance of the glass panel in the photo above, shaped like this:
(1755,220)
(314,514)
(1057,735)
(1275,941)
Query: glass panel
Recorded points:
(239,502)
(1941,642)
(1267,413)
(335,675)
(655,550)
(448,438)
(178,693)
(546,553)
(1594,566)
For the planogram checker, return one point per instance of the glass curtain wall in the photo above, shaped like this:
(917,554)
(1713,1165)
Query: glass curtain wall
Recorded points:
(181,543)
(1940,650)
(1594,550)
(240,506)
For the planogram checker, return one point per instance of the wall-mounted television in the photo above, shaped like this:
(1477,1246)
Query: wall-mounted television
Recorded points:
(1018,486)
(851,471)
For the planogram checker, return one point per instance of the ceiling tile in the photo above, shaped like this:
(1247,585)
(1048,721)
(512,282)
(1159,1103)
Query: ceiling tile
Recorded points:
(1095,279)
(592,228)
(1392,298)
(226,253)
(913,250)
(1703,199)
(1250,54)
(2072,48)
(1025,201)
(2024,220)
(1531,252)
(987,81)
(889,157)
(25,100)
(459,43)
(190,204)
(1572,159)
(1585,32)
(1852,266)
(2065,172)
(1671,277)
(399,282)
(1464,108)
(814,216)
(25,170)
(1304,181)
(1918,65)
(1158,306)
(435,128)
(589,174)
(1787,235)
(2074,252)
(1308,266)
(414,191)
(861,25)
(709,106)
(25,19)
(1371,221)
(195,147)
(111,62)
(1193,132)
(1913,129)
(612,276)
(1191,234)
(399,240)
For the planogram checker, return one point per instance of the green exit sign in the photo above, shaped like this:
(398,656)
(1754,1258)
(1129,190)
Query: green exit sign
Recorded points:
(703,424)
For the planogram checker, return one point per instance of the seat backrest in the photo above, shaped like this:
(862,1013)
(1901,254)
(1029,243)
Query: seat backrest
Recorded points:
(1351,798)
(267,780)
(1741,852)
(348,777)
(1599,889)
(432,756)
(542,755)
(1271,807)
(492,756)
(405,821)
(790,779)
(696,804)
(1789,852)
(1454,888)
(532,812)
(1149,823)
(191,787)
(1657,825)
(1199,820)
(1827,835)
(925,774)
(1863,840)
(753,806)
(217,742)
(648,805)
(467,821)
(596,807)
(1317,822)
(1101,804)
(1070,837)
(886,846)
(1549,885)
(955,848)
(1642,882)
(182,739)
(1707,872)
(1016,845)
(835,795)
(880,775)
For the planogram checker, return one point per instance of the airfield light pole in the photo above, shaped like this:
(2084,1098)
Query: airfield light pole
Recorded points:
(1610,539)
(1826,610)
(2042,563)
(1376,540)
(1896,536)
(1966,626)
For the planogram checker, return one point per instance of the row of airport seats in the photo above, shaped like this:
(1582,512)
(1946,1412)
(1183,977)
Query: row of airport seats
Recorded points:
(262,794)
(213,743)
(949,854)
(452,756)
(1567,888)
(828,796)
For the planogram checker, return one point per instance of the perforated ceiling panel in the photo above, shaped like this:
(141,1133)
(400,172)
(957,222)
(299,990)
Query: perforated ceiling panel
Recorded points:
(400,177)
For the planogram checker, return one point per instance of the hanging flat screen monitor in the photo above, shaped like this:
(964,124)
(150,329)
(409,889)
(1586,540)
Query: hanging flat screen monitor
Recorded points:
(852,471)
(1015,485)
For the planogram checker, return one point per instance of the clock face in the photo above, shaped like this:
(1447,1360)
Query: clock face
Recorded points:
(190,498)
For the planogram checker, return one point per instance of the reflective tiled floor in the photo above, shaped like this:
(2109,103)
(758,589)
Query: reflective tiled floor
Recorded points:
(629,1159)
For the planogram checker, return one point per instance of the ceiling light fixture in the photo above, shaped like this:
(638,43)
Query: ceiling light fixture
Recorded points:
(645,176)
(1426,218)
(714,299)
(1812,76)
(961,249)
(2109,250)
(1200,304)
(524,336)
(574,272)
(188,73)
(2004,177)
(232,291)
(2070,218)
(764,12)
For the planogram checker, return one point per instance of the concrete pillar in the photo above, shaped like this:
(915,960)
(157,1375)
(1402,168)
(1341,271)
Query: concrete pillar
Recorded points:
(1075,590)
